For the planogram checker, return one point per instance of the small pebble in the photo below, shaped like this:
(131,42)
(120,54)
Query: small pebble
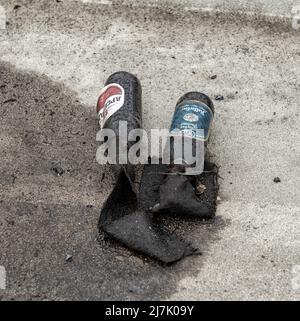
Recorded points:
(68,258)
(213,77)
(58,171)
(219,97)
(277,180)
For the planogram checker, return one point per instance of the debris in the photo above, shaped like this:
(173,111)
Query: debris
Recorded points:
(121,100)
(12,100)
(58,171)
(125,216)
(219,97)
(193,111)
(177,194)
(277,180)
(200,189)
(69,258)
(130,214)
(122,219)
(213,77)
(184,195)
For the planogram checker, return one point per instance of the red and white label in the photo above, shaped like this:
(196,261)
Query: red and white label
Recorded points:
(111,100)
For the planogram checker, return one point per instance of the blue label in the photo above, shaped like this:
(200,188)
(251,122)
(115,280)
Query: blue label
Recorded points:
(193,119)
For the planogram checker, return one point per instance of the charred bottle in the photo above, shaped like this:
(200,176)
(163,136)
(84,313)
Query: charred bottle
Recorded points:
(119,109)
(190,186)
(189,132)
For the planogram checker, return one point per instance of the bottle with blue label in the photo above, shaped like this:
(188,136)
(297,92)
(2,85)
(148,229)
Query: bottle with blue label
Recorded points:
(192,120)
(193,116)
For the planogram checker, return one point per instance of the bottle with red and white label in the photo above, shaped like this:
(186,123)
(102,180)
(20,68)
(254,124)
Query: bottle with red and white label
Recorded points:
(120,100)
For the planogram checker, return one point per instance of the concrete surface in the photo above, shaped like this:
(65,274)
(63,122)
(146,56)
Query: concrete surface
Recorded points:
(55,57)
(260,7)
